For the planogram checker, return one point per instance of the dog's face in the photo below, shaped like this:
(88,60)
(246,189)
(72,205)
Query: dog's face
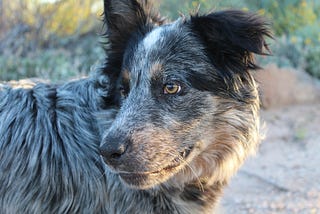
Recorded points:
(184,93)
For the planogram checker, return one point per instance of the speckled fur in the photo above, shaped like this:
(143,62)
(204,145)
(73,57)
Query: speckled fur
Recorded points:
(181,149)
(160,153)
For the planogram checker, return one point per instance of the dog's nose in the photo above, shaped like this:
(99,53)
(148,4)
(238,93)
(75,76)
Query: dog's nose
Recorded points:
(113,149)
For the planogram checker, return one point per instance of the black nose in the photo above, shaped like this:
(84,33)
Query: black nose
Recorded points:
(113,149)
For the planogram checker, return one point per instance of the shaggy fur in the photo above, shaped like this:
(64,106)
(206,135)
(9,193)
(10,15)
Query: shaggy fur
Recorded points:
(49,162)
(173,113)
(188,104)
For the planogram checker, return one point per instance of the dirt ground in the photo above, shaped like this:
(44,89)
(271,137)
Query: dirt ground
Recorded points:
(284,176)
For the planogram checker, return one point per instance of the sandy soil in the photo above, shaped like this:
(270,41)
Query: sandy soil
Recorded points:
(284,176)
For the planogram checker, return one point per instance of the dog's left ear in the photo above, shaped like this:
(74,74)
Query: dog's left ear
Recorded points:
(231,37)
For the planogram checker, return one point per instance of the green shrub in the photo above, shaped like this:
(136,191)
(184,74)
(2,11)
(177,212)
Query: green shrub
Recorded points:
(287,16)
(286,52)
(54,63)
(313,61)
(296,52)
(172,9)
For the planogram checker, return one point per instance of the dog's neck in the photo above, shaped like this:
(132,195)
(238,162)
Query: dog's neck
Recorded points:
(196,195)
(191,197)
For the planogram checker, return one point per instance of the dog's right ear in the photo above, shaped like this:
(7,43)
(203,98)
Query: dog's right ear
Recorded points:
(123,18)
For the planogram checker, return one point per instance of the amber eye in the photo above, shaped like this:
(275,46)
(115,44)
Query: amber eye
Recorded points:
(171,88)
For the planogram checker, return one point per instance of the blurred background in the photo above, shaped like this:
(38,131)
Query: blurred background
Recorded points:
(57,40)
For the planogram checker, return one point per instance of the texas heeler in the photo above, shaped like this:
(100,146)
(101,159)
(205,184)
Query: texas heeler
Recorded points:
(188,105)
(173,113)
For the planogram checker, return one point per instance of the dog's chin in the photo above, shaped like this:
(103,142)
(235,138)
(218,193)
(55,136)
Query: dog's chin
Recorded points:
(150,179)
(147,180)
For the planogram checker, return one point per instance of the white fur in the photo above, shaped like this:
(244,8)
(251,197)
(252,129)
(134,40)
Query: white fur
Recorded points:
(151,39)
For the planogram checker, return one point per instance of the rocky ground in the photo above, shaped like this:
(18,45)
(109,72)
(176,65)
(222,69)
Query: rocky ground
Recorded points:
(284,176)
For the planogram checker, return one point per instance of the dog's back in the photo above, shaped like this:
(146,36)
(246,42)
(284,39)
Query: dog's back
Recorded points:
(48,149)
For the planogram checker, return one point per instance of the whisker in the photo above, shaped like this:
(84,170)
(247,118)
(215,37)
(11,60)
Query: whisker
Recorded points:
(174,154)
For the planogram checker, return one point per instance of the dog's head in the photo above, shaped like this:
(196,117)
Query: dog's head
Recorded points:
(187,101)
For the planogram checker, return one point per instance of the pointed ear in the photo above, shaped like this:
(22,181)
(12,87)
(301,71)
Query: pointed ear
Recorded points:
(231,37)
(122,18)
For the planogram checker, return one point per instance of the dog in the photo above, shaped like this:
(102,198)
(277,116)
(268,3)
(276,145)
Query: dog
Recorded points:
(160,128)
(188,104)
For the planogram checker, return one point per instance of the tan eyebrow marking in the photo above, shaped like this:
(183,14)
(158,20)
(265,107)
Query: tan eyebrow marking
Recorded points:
(125,75)
(155,68)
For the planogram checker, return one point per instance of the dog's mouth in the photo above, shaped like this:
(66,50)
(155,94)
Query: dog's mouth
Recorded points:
(144,180)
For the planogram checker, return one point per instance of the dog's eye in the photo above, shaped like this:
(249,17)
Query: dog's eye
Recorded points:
(171,88)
